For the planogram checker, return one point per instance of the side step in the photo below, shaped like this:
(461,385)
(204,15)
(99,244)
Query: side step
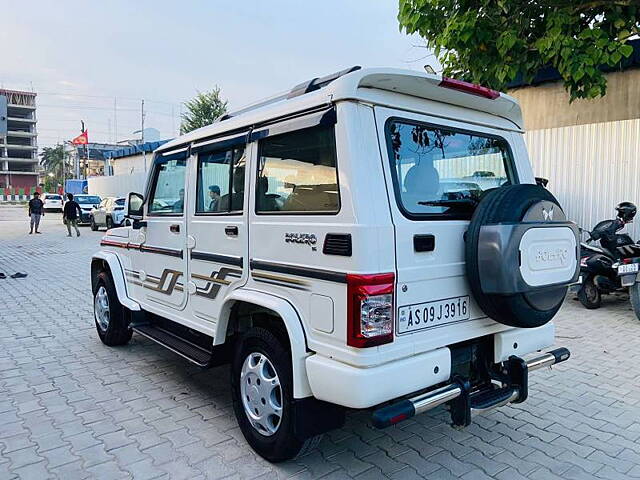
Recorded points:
(192,352)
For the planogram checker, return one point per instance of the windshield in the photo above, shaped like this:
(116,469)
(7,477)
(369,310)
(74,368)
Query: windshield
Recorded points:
(120,202)
(88,199)
(440,172)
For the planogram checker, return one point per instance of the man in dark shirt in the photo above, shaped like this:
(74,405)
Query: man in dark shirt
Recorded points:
(214,195)
(70,214)
(36,210)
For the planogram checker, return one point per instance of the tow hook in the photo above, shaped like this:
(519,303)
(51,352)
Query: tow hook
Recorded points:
(465,404)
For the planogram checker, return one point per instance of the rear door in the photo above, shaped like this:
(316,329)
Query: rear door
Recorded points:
(218,236)
(437,170)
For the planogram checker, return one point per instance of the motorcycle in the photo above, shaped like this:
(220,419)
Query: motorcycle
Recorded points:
(613,265)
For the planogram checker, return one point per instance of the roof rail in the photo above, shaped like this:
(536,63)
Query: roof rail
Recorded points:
(318,83)
(301,89)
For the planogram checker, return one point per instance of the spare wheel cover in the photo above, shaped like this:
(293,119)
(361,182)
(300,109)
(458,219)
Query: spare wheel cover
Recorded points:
(511,205)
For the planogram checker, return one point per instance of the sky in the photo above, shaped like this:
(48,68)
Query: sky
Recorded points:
(95,61)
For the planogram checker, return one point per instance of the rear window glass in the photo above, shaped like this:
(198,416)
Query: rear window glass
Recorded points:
(90,199)
(442,173)
(120,202)
(53,197)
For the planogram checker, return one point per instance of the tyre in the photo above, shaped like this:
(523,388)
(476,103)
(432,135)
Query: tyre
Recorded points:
(262,391)
(511,205)
(634,296)
(94,227)
(109,223)
(109,314)
(590,296)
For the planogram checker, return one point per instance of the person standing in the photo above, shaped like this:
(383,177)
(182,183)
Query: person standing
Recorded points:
(36,210)
(70,214)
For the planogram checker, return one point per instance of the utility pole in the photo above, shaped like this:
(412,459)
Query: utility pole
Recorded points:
(144,154)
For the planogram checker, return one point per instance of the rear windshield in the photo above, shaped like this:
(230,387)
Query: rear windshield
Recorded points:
(120,202)
(441,173)
(52,197)
(92,200)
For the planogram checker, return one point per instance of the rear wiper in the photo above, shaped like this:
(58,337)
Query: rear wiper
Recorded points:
(458,202)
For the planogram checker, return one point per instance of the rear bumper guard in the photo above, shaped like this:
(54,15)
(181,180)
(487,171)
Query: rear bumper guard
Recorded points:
(463,403)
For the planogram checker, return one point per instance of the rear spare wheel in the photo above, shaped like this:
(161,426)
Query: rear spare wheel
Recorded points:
(521,255)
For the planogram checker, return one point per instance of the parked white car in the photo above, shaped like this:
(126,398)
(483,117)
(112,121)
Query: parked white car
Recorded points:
(87,204)
(52,202)
(310,241)
(109,213)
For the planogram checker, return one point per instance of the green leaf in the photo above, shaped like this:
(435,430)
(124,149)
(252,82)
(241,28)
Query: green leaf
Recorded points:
(626,50)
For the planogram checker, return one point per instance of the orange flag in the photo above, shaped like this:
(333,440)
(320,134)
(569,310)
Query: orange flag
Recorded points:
(81,139)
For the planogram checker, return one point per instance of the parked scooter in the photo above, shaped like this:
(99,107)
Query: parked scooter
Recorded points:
(612,266)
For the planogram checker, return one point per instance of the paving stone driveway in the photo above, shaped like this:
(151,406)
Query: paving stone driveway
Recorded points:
(72,408)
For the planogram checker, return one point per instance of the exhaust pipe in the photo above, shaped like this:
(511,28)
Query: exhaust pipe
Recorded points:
(404,409)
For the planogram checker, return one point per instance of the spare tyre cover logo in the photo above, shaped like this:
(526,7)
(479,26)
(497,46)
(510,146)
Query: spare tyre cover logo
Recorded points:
(547,214)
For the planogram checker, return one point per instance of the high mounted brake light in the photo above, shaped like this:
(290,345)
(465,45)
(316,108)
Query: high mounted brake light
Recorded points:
(370,309)
(467,87)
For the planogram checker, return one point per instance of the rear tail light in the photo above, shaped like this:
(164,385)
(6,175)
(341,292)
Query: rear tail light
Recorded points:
(369,309)
(471,88)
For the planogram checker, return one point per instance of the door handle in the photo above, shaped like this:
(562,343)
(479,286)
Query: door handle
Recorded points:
(231,230)
(175,228)
(424,243)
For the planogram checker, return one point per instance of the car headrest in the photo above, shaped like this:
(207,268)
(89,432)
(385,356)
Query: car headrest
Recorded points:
(423,179)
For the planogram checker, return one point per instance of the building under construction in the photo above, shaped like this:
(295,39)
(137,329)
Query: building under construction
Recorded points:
(18,150)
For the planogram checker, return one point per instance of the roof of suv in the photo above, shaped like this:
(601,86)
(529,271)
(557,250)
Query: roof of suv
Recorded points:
(355,84)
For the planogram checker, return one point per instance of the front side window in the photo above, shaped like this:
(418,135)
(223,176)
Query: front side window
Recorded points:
(442,173)
(221,181)
(167,196)
(297,172)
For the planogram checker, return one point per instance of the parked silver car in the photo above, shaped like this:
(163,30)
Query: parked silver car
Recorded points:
(109,213)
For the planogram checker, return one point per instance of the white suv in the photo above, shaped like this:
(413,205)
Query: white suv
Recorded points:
(372,239)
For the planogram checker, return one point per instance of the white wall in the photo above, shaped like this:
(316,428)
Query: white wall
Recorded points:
(117,185)
(129,165)
(591,168)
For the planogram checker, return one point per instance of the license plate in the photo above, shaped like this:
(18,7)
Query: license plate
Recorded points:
(628,268)
(432,314)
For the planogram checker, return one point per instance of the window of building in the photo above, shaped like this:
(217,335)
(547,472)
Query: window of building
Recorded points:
(297,172)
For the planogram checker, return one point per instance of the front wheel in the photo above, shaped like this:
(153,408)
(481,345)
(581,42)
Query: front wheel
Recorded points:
(589,294)
(109,223)
(94,227)
(109,314)
(262,390)
(634,296)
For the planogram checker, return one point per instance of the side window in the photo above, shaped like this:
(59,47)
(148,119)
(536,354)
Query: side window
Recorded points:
(221,181)
(297,172)
(167,195)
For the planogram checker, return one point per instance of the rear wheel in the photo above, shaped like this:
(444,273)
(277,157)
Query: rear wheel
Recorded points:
(94,227)
(109,223)
(634,296)
(109,314)
(262,390)
(590,296)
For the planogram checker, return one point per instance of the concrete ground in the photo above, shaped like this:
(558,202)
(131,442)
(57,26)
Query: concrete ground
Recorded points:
(72,408)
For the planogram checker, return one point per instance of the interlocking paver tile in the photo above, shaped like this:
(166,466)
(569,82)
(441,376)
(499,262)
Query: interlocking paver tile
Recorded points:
(72,408)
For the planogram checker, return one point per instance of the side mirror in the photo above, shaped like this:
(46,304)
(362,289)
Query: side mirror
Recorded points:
(135,209)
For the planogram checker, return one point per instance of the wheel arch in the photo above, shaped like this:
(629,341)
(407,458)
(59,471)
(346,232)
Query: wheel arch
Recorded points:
(109,262)
(290,319)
